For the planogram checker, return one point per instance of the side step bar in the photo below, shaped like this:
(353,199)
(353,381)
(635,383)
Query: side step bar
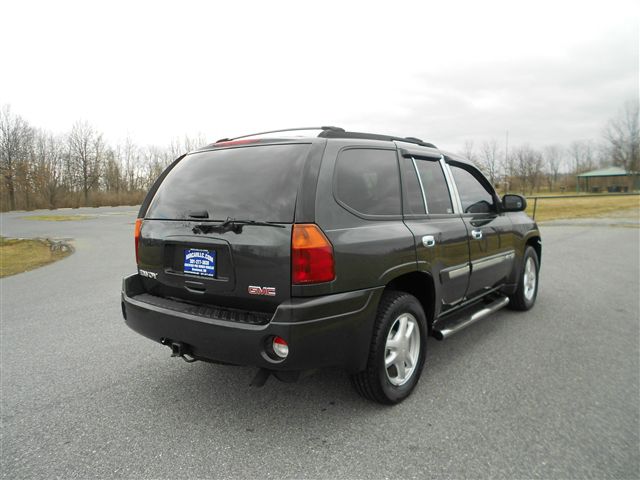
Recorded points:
(457,323)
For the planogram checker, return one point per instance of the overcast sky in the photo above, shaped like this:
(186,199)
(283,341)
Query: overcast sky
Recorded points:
(445,71)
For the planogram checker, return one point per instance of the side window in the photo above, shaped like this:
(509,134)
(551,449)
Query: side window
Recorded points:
(368,181)
(474,196)
(435,187)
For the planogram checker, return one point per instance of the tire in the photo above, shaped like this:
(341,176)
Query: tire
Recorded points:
(397,312)
(525,296)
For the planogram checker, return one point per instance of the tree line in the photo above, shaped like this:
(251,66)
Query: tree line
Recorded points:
(525,169)
(77,168)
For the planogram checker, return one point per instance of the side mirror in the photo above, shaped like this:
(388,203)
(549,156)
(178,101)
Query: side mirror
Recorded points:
(514,203)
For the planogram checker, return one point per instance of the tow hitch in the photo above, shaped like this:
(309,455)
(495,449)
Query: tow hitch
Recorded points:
(179,349)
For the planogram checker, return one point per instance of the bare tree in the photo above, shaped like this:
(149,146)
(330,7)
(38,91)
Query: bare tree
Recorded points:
(528,165)
(112,175)
(468,152)
(490,159)
(623,135)
(25,174)
(582,153)
(43,170)
(155,161)
(15,144)
(553,159)
(130,159)
(86,149)
(49,152)
(192,143)
(178,147)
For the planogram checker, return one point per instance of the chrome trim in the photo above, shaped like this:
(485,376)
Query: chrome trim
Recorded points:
(446,332)
(424,197)
(428,240)
(455,272)
(493,260)
(453,189)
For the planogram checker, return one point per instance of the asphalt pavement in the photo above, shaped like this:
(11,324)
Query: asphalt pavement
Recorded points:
(550,393)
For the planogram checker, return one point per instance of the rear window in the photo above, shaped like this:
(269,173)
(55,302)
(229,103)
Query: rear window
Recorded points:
(251,183)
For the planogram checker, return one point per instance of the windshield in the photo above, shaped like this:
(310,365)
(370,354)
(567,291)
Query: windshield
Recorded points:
(249,183)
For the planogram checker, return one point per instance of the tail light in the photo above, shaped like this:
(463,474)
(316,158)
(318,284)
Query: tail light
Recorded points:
(311,255)
(136,236)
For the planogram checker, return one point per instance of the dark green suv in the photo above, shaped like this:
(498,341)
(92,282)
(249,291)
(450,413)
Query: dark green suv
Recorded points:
(308,248)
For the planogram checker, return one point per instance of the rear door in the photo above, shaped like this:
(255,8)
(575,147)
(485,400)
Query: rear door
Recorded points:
(440,234)
(188,252)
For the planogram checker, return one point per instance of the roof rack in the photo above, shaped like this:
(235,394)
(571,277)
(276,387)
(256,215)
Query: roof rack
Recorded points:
(324,129)
(337,132)
(373,136)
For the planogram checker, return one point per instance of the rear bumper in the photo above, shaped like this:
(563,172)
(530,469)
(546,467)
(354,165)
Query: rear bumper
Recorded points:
(328,331)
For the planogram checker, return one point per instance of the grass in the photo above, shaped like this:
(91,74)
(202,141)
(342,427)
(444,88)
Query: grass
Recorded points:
(21,255)
(57,218)
(559,208)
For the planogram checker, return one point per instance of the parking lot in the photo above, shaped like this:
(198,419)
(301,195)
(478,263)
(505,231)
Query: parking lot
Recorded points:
(550,393)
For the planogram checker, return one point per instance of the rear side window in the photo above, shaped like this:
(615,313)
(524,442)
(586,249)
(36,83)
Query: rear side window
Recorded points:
(368,181)
(436,191)
(250,183)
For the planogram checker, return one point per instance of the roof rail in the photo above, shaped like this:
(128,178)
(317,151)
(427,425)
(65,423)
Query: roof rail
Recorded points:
(373,136)
(337,132)
(324,129)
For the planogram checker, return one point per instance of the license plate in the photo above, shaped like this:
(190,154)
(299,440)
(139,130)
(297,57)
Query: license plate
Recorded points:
(200,262)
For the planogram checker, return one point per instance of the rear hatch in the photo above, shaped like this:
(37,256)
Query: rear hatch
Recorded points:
(218,230)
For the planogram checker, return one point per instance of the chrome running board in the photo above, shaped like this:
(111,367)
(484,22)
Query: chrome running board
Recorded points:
(453,325)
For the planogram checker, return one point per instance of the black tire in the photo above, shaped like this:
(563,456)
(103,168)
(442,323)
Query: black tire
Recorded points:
(374,382)
(521,299)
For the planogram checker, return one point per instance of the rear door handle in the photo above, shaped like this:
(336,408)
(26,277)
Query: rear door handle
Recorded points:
(476,234)
(428,240)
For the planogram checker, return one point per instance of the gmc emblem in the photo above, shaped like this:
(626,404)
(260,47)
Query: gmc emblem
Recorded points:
(268,291)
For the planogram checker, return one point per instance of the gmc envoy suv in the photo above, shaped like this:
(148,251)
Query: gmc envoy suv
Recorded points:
(301,249)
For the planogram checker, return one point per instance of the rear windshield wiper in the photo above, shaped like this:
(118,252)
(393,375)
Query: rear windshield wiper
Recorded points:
(231,224)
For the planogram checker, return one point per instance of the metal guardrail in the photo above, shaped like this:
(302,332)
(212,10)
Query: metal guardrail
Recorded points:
(586,195)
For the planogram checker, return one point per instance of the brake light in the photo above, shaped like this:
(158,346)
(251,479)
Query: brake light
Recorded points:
(311,255)
(229,143)
(136,236)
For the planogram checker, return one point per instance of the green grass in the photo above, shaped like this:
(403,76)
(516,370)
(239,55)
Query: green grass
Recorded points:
(21,255)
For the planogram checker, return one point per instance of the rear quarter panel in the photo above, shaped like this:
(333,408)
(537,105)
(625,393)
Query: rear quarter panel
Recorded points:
(368,252)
